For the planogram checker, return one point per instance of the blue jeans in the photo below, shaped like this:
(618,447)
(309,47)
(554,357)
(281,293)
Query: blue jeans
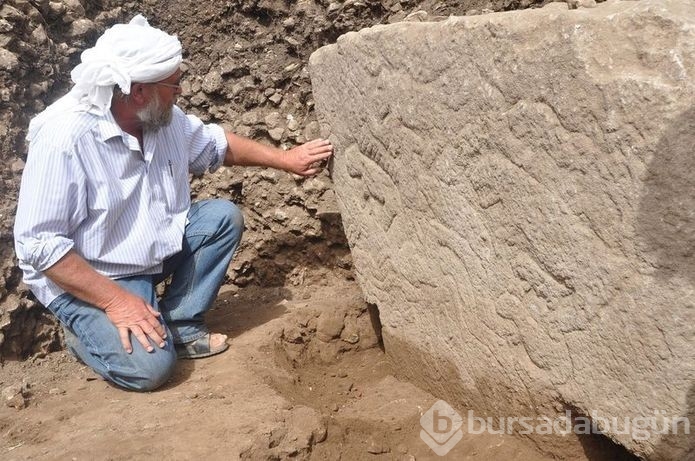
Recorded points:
(210,239)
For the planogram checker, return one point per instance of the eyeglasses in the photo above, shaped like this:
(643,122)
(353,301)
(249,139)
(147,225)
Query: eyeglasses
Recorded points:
(169,85)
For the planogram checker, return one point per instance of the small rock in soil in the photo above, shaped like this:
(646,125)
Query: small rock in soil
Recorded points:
(276,98)
(330,325)
(17,166)
(376,447)
(15,396)
(353,338)
(276,133)
(320,434)
(272,120)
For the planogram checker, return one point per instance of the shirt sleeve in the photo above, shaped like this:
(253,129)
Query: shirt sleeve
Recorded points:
(207,144)
(51,204)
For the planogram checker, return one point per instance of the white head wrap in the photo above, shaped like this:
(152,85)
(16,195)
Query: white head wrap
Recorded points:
(125,53)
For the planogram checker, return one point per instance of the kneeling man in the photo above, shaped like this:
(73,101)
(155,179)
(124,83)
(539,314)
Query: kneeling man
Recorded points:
(104,211)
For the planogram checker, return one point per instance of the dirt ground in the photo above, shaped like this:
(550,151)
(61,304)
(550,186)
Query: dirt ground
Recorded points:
(282,391)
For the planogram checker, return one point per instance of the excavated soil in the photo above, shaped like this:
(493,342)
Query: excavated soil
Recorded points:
(284,390)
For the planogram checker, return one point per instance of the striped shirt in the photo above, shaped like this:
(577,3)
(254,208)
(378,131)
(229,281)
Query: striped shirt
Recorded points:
(88,186)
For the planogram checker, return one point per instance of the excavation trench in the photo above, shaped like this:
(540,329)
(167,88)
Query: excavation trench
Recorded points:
(368,408)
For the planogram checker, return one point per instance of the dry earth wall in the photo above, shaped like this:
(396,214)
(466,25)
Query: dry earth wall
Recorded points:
(39,41)
(517,191)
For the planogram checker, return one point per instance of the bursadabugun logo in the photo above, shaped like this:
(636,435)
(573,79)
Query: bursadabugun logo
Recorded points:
(638,427)
(441,427)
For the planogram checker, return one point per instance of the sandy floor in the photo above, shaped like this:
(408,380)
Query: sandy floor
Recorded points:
(280,392)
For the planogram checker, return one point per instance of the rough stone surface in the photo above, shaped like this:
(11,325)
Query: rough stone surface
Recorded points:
(517,190)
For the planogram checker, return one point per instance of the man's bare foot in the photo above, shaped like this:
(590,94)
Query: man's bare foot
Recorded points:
(217,340)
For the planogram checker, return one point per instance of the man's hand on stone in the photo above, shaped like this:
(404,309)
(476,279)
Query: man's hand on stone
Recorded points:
(130,314)
(306,160)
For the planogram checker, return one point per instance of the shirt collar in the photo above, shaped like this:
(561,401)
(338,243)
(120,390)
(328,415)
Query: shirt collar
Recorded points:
(108,128)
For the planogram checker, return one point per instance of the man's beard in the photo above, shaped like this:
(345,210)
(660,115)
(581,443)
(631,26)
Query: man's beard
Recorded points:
(154,116)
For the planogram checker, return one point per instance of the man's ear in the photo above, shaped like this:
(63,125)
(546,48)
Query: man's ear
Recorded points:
(139,93)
